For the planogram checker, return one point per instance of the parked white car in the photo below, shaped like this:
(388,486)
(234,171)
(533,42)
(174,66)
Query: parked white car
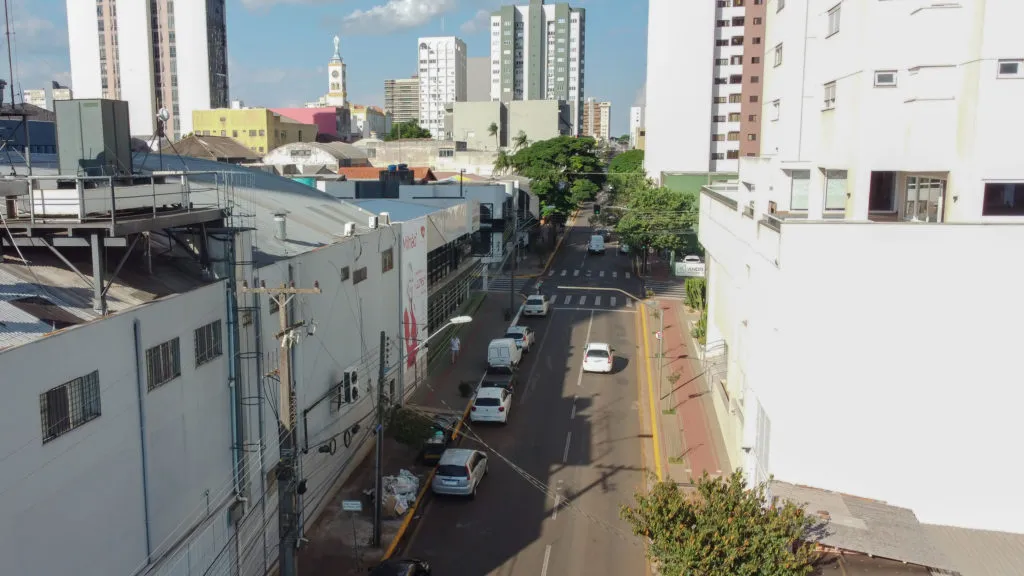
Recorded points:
(598,357)
(692,259)
(523,335)
(537,305)
(459,472)
(491,405)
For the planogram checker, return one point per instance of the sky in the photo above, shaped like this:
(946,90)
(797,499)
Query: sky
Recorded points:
(278,49)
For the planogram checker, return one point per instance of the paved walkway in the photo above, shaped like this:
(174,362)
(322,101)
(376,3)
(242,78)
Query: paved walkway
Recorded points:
(338,541)
(690,431)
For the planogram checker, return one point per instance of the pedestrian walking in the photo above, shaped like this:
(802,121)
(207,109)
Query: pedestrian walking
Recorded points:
(456,347)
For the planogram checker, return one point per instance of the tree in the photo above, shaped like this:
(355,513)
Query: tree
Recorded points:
(626,175)
(555,167)
(502,162)
(408,129)
(493,130)
(722,530)
(658,218)
(631,161)
(520,141)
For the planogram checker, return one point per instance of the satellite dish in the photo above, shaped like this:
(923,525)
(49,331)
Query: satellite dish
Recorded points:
(163,115)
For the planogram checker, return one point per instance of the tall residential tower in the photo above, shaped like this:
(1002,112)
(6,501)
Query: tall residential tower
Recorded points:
(442,73)
(153,54)
(402,98)
(537,53)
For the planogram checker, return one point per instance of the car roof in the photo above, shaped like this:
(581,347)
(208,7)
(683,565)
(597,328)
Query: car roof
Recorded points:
(503,341)
(489,392)
(596,236)
(456,457)
(516,329)
(535,297)
(598,346)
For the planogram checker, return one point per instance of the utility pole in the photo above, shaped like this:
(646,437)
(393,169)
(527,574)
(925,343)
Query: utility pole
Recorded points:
(288,484)
(378,486)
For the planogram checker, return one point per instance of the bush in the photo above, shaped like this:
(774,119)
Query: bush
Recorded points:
(696,293)
(700,328)
(409,427)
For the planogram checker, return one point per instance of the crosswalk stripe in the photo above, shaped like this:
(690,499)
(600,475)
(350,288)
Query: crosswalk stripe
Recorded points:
(613,300)
(615,274)
(629,303)
(597,300)
(583,300)
(627,275)
(552,272)
(602,274)
(568,299)
(563,272)
(576,272)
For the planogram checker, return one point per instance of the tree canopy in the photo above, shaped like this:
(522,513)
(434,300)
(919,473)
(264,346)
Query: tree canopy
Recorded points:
(723,529)
(630,161)
(563,171)
(657,218)
(408,129)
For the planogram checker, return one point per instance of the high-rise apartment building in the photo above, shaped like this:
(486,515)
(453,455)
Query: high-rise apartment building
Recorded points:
(703,84)
(442,75)
(402,98)
(597,119)
(537,53)
(636,125)
(478,79)
(156,54)
(35,98)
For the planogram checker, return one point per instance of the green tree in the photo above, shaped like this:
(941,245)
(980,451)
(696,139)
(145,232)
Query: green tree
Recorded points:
(409,129)
(502,162)
(631,162)
(493,130)
(723,529)
(626,175)
(556,167)
(520,141)
(658,218)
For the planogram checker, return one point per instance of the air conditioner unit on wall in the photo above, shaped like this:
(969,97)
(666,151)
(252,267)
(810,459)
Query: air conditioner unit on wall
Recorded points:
(350,228)
(372,222)
(385,218)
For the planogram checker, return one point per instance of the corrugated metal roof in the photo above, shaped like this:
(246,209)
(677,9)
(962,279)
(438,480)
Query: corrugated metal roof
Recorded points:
(979,552)
(399,210)
(210,148)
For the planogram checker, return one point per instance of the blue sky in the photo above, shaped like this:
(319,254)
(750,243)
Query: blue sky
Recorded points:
(278,49)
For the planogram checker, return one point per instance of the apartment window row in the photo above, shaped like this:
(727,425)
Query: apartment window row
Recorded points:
(70,405)
(735,3)
(833,19)
(728,155)
(835,189)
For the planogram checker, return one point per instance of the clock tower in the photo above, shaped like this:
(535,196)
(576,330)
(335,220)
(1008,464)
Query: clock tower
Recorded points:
(337,93)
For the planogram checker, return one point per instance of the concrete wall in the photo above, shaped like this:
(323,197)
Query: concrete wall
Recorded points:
(429,153)
(84,489)
(478,79)
(472,121)
(539,119)
(865,361)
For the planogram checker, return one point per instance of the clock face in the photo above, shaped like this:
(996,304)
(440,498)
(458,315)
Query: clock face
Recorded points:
(334,74)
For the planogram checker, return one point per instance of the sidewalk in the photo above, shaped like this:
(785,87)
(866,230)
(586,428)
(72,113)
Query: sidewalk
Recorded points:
(690,432)
(331,548)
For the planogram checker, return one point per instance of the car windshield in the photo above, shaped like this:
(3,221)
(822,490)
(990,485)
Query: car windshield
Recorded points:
(514,335)
(487,402)
(597,353)
(451,471)
(535,300)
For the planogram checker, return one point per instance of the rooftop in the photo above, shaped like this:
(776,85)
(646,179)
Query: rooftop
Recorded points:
(420,173)
(217,148)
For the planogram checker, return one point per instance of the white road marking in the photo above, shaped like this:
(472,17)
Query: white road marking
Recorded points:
(601,274)
(583,300)
(568,441)
(552,272)
(568,299)
(547,558)
(579,379)
(615,274)
(597,300)
(576,272)
(572,415)
(554,516)
(627,275)
(629,303)
(563,272)
(587,309)
(529,377)
(613,300)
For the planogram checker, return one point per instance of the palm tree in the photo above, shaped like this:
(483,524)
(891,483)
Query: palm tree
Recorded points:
(502,162)
(493,131)
(520,141)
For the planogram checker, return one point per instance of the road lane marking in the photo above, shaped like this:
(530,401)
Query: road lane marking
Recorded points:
(563,272)
(615,274)
(554,513)
(579,379)
(572,415)
(547,558)
(583,300)
(567,300)
(529,377)
(597,300)
(576,272)
(551,272)
(627,275)
(568,441)
(613,300)
(650,396)
(588,309)
(601,274)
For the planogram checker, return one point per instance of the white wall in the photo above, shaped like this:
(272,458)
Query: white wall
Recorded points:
(84,489)
(193,60)
(882,362)
(135,58)
(84,47)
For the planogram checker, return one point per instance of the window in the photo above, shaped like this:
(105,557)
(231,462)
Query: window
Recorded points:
(734,117)
(752,118)
(835,189)
(721,42)
(732,155)
(359,275)
(736,60)
(252,133)
(344,273)
(778,55)
(882,196)
(263,133)
(755,59)
(830,95)
(735,98)
(721,23)
(68,406)
(163,363)
(446,153)
(755,40)
(719,100)
(751,137)
(799,190)
(885,78)
(755,79)
(737,41)
(387,260)
(734,137)
(833,19)
(718,118)
(721,61)
(720,81)
(923,196)
(718,156)
(1011,69)
(208,342)
(737,21)
(754,98)
(757,21)
(1003,199)
(736,79)
(718,137)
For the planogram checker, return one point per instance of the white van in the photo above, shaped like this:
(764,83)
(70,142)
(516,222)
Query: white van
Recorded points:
(596,245)
(503,353)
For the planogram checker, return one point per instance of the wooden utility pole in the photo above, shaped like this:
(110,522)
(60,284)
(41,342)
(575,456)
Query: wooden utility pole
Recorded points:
(288,465)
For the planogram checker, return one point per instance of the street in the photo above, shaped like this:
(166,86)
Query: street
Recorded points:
(571,453)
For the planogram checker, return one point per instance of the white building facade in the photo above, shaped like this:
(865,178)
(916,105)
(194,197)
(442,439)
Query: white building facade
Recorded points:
(538,53)
(35,98)
(636,124)
(846,348)
(442,77)
(154,55)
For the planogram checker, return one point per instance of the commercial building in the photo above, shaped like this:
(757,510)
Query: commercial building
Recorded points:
(35,98)
(333,123)
(402,98)
(259,129)
(536,119)
(138,53)
(442,76)
(843,331)
(597,118)
(438,155)
(636,125)
(537,53)
(478,79)
(370,121)
(308,158)
(704,83)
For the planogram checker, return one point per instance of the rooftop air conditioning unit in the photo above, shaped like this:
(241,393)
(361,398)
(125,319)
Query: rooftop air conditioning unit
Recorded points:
(373,222)
(350,228)
(385,218)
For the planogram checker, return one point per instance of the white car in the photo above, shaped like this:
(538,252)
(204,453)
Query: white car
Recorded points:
(491,405)
(523,335)
(598,357)
(692,259)
(537,305)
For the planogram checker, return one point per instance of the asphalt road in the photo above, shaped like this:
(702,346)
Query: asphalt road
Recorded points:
(573,438)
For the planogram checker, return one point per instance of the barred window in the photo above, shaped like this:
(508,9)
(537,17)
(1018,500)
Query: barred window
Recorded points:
(208,342)
(163,363)
(68,406)
(387,260)
(359,275)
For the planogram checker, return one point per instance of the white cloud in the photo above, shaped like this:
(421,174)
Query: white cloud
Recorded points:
(262,4)
(395,15)
(478,23)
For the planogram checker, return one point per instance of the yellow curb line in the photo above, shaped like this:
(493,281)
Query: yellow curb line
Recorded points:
(643,451)
(559,243)
(650,398)
(423,491)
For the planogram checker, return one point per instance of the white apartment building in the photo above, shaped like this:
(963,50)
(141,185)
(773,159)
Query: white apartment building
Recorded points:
(703,61)
(154,55)
(370,120)
(442,75)
(636,124)
(864,304)
(597,118)
(538,53)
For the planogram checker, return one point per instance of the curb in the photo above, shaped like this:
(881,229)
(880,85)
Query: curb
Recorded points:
(559,244)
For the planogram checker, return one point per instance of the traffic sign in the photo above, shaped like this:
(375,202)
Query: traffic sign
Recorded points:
(658,334)
(352,505)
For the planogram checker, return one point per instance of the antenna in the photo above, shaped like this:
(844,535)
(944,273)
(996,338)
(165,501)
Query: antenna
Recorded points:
(10,58)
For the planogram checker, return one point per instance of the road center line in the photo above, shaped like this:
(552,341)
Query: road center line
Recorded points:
(547,558)
(568,441)
(573,414)
(529,377)
(579,380)
(554,514)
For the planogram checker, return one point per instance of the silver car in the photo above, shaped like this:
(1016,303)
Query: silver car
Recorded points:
(459,472)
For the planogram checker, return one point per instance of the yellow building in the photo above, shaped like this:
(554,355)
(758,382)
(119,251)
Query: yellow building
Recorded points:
(258,129)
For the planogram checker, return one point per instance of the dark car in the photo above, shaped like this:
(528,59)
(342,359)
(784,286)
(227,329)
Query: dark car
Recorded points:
(404,567)
(499,378)
(440,437)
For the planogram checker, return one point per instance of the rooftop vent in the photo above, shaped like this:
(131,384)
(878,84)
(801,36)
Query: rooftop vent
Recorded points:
(281,225)
(350,228)
(385,218)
